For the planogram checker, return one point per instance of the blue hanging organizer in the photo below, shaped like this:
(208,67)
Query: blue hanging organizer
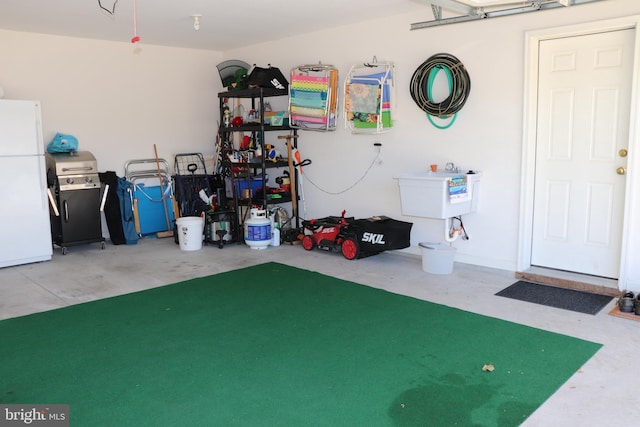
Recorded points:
(369,93)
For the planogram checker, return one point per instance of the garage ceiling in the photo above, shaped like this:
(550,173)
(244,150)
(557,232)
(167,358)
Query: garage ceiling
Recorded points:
(224,24)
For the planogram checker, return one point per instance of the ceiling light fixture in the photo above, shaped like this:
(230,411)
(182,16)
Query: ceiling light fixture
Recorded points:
(196,21)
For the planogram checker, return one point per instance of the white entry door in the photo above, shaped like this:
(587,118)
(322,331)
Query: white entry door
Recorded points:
(584,92)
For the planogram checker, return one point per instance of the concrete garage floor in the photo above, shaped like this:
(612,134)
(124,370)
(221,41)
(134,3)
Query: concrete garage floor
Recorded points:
(604,392)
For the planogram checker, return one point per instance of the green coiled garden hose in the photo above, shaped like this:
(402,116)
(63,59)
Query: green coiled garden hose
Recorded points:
(459,87)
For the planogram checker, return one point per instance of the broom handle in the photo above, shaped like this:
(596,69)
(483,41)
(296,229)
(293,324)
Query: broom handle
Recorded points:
(136,216)
(164,204)
(292,181)
(292,177)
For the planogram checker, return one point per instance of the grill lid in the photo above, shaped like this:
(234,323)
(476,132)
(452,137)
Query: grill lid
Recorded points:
(74,171)
(80,163)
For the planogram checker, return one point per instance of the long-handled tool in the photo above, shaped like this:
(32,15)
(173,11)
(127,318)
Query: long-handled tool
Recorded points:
(169,232)
(294,196)
(136,216)
(298,164)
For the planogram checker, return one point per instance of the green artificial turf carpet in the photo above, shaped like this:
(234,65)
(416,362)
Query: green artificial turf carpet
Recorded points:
(273,345)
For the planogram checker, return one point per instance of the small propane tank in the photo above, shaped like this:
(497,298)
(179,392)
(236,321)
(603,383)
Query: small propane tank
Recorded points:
(257,230)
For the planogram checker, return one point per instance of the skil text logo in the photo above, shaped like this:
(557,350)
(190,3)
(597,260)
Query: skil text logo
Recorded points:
(373,238)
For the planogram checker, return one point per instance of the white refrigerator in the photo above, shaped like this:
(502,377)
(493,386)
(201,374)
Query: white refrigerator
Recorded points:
(25,229)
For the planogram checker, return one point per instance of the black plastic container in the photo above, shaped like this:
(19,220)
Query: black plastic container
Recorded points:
(379,233)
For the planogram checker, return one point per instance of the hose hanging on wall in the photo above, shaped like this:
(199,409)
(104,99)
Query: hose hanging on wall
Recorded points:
(459,87)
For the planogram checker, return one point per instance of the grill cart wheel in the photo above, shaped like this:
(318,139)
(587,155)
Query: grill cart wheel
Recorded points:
(308,243)
(350,249)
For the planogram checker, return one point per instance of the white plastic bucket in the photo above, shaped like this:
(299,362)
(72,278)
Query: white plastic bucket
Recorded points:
(190,232)
(437,258)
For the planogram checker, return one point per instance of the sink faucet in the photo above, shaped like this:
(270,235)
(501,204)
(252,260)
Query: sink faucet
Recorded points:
(450,167)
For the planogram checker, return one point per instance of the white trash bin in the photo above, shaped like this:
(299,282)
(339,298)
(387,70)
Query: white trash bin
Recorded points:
(190,232)
(437,258)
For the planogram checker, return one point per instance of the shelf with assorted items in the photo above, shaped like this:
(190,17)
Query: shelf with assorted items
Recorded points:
(245,156)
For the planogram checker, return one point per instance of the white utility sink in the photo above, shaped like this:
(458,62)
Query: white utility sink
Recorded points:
(439,194)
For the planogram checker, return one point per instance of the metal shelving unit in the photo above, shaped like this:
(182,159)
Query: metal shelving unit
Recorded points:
(243,170)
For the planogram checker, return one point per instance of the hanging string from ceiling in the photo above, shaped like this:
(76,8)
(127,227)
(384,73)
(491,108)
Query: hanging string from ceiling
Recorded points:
(421,87)
(111,11)
(136,37)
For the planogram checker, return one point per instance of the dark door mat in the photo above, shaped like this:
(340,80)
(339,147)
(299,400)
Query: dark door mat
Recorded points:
(552,296)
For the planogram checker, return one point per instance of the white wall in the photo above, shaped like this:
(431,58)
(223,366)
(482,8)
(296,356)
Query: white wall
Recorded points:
(119,103)
(487,135)
(118,99)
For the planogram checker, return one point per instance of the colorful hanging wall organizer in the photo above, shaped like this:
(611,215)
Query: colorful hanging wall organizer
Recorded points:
(313,97)
(369,97)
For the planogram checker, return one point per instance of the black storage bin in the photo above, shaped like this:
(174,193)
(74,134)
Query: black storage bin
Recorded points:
(380,233)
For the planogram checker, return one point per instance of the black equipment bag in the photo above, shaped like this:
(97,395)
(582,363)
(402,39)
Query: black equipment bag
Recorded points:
(270,77)
(380,233)
(187,194)
(112,212)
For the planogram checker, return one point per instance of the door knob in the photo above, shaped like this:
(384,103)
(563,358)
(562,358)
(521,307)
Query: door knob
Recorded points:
(623,152)
(621,170)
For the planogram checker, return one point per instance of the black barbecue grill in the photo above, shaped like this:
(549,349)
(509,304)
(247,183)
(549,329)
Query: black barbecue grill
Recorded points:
(76,199)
